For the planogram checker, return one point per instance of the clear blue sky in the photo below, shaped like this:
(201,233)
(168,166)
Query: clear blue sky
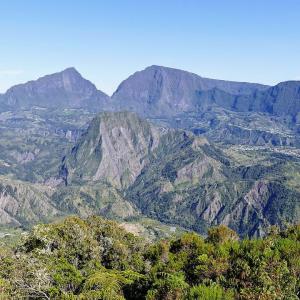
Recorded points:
(255,40)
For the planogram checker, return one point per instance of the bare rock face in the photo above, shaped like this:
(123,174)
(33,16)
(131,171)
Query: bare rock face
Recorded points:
(123,152)
(22,203)
(210,213)
(255,200)
(195,171)
(118,147)
(114,149)
(164,92)
(262,207)
(24,157)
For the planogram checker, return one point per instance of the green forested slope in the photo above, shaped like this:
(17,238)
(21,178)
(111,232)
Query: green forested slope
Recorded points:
(96,259)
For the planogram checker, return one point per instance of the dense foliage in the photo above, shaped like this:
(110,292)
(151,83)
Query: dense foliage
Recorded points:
(96,259)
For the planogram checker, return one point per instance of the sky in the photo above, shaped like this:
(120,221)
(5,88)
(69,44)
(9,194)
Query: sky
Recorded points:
(106,41)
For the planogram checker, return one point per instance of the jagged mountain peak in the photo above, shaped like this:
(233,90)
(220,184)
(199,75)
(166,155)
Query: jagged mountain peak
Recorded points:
(72,74)
(64,89)
(66,79)
(70,70)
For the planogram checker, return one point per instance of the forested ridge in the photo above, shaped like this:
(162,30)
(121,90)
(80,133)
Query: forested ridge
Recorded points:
(95,258)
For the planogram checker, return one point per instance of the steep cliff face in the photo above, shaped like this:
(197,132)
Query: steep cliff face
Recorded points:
(22,203)
(118,147)
(280,100)
(115,148)
(160,91)
(66,89)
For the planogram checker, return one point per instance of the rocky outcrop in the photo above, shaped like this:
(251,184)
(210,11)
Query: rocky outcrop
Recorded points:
(22,204)
(114,149)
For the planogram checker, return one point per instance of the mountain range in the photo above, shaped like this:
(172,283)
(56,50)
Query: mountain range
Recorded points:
(161,91)
(239,113)
(233,112)
(168,146)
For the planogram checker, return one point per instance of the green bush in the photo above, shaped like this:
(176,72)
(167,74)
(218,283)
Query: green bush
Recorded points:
(96,259)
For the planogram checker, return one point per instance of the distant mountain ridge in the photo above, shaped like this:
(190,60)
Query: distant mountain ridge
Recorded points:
(65,89)
(160,91)
(223,111)
(166,91)
(154,92)
(282,99)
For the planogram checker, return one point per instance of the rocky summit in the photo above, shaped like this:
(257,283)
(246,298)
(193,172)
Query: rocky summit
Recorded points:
(65,89)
